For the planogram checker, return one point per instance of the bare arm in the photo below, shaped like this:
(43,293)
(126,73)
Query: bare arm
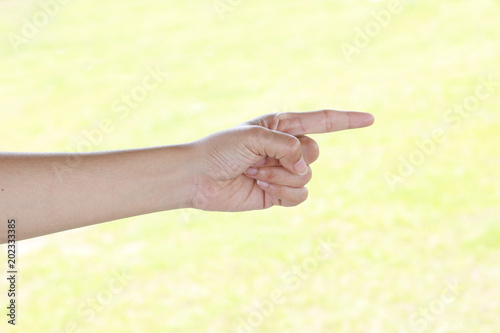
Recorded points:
(46,193)
(259,164)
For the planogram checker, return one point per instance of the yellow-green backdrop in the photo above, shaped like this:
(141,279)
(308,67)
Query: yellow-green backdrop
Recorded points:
(401,229)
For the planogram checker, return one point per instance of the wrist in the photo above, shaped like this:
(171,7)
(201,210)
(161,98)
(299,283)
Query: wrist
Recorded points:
(200,188)
(181,175)
(192,173)
(168,176)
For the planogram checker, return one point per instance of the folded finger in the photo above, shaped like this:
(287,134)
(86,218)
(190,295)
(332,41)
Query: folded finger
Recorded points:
(279,176)
(284,195)
(309,148)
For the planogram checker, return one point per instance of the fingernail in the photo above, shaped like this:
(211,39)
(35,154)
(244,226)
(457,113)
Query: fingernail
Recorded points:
(252,171)
(301,167)
(262,184)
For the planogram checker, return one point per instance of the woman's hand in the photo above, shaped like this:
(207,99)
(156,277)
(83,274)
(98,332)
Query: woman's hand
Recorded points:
(256,165)
(265,161)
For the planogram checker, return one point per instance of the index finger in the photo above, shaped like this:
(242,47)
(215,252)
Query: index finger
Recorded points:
(324,121)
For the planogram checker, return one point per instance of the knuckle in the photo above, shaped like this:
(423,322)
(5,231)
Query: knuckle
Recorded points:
(278,191)
(281,191)
(300,198)
(308,176)
(311,147)
(292,143)
(253,130)
(258,132)
(268,174)
(277,119)
(328,121)
(303,194)
(314,150)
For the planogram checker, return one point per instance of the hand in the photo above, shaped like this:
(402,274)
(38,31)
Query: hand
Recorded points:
(265,161)
(70,190)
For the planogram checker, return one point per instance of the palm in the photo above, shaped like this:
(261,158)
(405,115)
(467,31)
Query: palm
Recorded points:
(238,194)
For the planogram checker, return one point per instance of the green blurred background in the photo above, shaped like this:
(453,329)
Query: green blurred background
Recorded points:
(408,210)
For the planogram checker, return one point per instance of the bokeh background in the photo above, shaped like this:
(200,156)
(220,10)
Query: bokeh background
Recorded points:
(401,229)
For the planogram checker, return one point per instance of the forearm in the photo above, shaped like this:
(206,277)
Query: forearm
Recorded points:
(47,193)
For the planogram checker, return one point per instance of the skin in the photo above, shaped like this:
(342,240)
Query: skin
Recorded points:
(259,164)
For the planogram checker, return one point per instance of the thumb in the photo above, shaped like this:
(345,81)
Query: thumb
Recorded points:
(281,146)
